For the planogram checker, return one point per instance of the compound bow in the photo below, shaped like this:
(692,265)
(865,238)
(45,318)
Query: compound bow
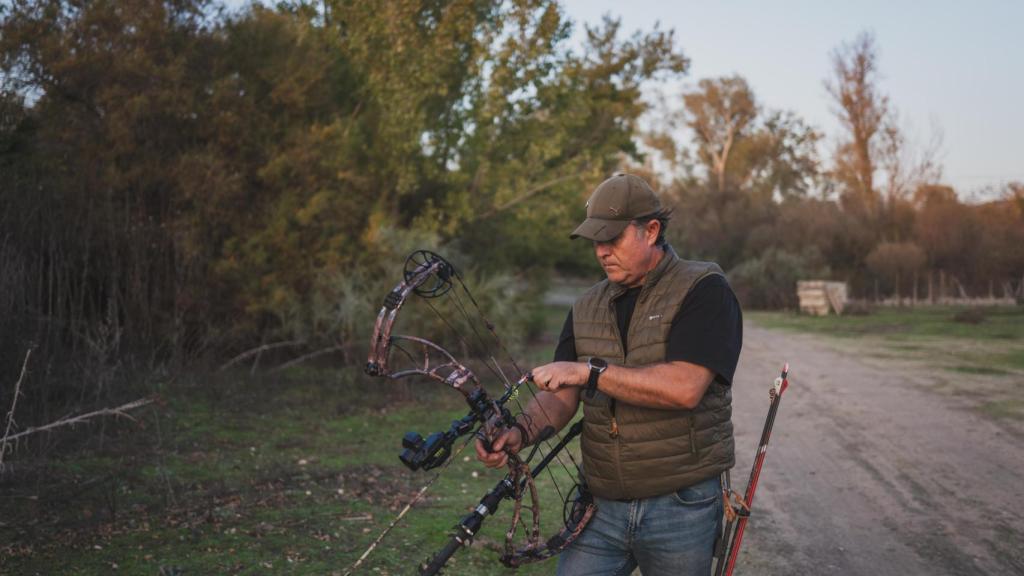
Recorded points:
(428,275)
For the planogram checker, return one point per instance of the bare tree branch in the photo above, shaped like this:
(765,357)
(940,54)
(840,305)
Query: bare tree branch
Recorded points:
(527,195)
(310,356)
(14,404)
(258,350)
(83,418)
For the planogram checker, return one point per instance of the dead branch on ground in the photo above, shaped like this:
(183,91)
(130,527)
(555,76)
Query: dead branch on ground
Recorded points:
(14,404)
(258,350)
(310,356)
(121,410)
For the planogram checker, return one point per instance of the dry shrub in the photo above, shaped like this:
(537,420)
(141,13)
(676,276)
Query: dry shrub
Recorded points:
(970,316)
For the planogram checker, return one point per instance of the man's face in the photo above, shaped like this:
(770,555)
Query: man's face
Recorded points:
(628,258)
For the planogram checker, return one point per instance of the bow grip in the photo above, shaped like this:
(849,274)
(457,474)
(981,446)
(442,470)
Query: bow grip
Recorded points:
(393,299)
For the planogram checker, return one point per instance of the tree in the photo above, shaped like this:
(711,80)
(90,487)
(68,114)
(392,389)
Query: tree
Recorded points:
(768,281)
(779,159)
(1000,261)
(896,260)
(874,167)
(543,135)
(752,160)
(113,91)
(719,112)
(947,230)
(863,110)
(199,181)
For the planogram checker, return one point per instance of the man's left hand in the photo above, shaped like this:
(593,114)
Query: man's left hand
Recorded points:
(557,375)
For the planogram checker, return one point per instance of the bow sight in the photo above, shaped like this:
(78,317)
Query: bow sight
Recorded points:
(437,448)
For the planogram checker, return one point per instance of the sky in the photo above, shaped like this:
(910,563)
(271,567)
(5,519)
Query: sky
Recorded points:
(952,69)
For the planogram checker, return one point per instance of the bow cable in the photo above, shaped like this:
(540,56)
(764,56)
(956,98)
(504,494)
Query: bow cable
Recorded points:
(496,368)
(490,327)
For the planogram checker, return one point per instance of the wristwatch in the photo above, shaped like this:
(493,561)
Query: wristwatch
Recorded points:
(597,366)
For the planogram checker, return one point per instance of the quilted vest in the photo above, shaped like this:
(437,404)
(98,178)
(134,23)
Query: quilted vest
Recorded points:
(648,451)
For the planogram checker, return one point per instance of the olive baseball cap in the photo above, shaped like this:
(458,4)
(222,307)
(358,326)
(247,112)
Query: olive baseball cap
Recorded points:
(614,204)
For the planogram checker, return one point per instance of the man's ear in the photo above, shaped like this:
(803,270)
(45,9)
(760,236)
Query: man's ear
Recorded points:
(653,228)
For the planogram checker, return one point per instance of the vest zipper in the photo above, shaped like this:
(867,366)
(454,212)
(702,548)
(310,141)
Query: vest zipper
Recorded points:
(693,433)
(613,430)
(613,427)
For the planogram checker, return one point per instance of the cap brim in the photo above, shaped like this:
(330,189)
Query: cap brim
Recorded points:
(599,230)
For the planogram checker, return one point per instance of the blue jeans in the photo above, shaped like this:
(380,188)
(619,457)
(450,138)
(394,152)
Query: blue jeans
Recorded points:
(664,535)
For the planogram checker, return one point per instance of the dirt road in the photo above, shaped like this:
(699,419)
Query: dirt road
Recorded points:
(872,470)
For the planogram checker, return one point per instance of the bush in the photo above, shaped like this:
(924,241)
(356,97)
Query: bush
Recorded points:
(343,307)
(769,280)
(970,316)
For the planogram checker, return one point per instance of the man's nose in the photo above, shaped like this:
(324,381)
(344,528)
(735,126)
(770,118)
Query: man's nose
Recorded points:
(602,249)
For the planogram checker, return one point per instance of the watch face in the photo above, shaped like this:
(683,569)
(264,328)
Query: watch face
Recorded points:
(598,363)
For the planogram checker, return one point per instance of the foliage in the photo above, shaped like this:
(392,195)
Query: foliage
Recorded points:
(751,187)
(933,323)
(863,111)
(719,112)
(749,161)
(896,260)
(769,281)
(210,181)
(182,182)
(113,106)
(970,316)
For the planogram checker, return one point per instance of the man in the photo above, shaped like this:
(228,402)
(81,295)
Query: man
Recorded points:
(651,352)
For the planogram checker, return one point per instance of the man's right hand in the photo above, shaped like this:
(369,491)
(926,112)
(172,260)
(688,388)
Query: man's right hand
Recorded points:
(508,440)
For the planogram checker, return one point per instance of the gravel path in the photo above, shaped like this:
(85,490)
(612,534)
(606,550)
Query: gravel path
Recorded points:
(871,469)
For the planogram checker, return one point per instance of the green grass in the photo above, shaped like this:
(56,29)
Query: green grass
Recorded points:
(1000,323)
(1014,359)
(978,370)
(294,473)
(1011,409)
(269,481)
(995,346)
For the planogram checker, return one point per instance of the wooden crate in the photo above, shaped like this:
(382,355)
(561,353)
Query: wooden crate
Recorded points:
(819,297)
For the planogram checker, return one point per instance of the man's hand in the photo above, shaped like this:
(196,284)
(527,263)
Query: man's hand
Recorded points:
(557,375)
(508,440)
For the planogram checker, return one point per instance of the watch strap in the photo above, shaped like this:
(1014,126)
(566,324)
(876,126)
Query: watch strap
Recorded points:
(592,381)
